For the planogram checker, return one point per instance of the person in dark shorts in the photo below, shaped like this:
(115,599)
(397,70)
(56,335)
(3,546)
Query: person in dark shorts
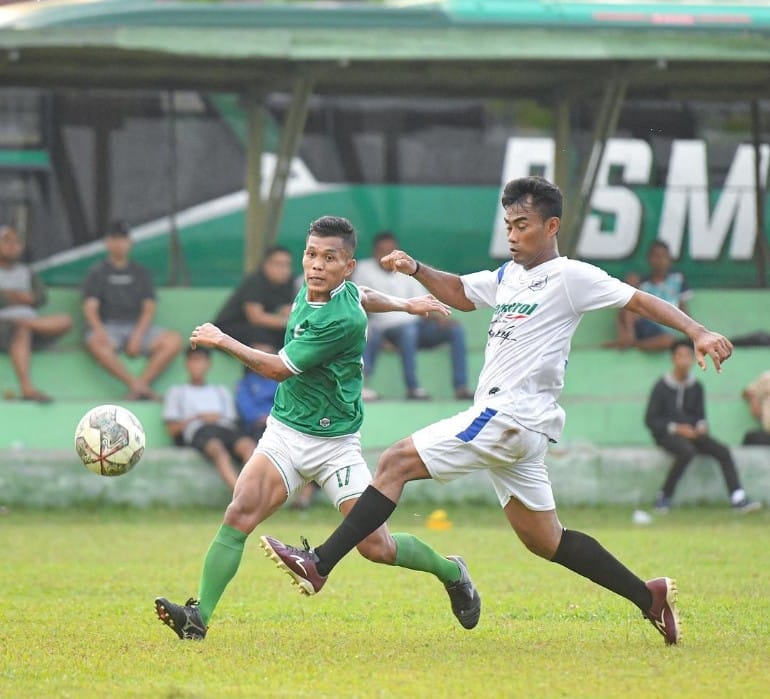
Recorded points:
(22,327)
(119,307)
(203,416)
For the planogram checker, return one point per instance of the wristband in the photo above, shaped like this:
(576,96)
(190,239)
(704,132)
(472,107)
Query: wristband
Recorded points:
(416,269)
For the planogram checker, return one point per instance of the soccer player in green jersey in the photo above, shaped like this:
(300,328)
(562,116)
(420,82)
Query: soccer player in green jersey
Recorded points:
(312,432)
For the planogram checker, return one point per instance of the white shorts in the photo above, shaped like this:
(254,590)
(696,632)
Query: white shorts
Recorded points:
(335,463)
(483,439)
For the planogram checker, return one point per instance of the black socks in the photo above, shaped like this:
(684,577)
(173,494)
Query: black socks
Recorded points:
(586,556)
(371,511)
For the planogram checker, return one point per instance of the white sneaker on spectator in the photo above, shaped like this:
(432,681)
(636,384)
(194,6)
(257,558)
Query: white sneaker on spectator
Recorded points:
(367,394)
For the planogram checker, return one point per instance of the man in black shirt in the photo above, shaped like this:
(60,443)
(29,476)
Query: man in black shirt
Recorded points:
(676,417)
(119,307)
(257,310)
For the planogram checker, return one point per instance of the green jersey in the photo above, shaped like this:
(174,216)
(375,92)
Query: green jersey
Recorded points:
(324,349)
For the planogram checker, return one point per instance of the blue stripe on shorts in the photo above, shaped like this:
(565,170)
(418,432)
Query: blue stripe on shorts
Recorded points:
(476,426)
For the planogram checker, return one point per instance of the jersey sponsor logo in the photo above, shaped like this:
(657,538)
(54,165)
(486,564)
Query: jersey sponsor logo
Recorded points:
(298,330)
(507,317)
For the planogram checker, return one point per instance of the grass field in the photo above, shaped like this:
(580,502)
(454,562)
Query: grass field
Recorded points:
(76,614)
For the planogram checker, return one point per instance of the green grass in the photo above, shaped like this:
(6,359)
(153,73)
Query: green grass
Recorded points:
(76,613)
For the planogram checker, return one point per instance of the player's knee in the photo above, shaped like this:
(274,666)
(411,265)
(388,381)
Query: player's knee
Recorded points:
(396,462)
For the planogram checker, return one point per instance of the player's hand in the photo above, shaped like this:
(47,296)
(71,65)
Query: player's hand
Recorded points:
(716,346)
(425,305)
(206,335)
(399,261)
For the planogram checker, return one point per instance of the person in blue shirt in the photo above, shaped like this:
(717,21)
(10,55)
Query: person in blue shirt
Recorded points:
(666,284)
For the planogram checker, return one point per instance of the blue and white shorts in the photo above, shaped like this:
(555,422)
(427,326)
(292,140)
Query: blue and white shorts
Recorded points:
(484,439)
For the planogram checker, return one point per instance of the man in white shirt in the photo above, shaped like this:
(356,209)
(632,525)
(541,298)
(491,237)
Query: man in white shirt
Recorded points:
(538,299)
(406,332)
(203,415)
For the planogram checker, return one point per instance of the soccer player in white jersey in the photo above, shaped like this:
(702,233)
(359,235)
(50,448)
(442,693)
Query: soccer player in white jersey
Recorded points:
(538,299)
(312,432)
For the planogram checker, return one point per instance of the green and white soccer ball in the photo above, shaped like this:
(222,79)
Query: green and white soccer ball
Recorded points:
(109,440)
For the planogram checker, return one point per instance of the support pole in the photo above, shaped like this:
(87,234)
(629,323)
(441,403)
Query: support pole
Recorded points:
(290,138)
(760,240)
(606,121)
(256,209)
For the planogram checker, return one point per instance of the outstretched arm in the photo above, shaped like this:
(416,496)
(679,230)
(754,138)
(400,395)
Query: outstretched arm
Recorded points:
(716,346)
(265,364)
(446,287)
(376,302)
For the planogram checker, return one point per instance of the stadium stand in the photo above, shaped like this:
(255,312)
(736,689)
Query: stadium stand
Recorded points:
(605,396)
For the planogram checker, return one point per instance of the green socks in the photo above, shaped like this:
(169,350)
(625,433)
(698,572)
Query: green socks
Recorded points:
(219,567)
(415,554)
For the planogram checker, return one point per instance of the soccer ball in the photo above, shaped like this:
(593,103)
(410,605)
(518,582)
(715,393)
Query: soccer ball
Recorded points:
(109,440)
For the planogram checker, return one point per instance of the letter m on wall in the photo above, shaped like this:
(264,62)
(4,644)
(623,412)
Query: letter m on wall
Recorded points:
(687,203)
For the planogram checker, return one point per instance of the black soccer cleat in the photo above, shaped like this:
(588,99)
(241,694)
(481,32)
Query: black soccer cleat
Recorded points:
(184,620)
(465,599)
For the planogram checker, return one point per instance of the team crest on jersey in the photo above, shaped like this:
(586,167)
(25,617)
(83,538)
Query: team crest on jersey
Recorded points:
(298,330)
(325,422)
(538,284)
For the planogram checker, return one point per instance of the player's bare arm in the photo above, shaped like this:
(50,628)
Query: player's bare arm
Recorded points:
(446,287)
(265,364)
(375,301)
(705,342)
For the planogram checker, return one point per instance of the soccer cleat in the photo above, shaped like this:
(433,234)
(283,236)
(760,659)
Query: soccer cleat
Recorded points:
(300,564)
(465,599)
(662,503)
(185,620)
(745,506)
(663,613)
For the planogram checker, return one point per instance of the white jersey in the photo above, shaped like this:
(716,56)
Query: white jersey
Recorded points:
(536,312)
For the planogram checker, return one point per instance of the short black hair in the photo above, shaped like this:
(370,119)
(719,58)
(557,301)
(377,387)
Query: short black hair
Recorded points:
(118,229)
(197,350)
(546,196)
(659,244)
(275,249)
(683,342)
(335,227)
(383,235)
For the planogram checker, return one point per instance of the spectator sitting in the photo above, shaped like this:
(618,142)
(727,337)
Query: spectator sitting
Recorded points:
(254,396)
(119,307)
(676,417)
(406,332)
(259,307)
(203,416)
(757,394)
(670,286)
(22,328)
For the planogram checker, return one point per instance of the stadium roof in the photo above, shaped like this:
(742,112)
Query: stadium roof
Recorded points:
(461,47)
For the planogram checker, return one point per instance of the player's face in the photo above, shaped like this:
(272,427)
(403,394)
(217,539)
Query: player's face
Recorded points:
(326,264)
(531,239)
